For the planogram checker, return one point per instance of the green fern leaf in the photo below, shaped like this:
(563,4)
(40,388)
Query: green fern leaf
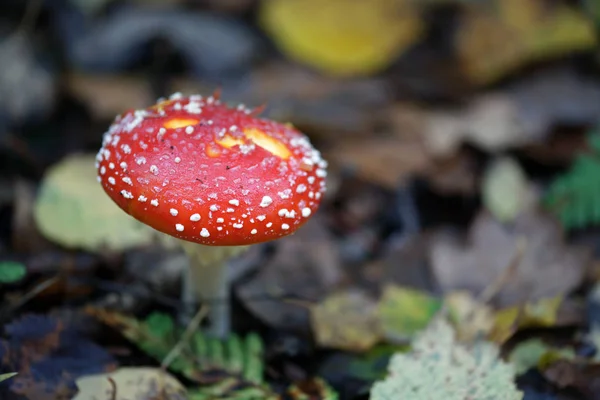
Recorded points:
(574,197)
(227,369)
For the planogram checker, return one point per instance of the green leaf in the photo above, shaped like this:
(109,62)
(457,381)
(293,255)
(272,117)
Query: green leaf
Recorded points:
(505,189)
(9,375)
(231,368)
(11,272)
(72,210)
(404,312)
(529,353)
(372,365)
(574,197)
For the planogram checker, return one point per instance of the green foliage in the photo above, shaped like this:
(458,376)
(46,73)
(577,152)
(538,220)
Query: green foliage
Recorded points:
(11,272)
(231,368)
(439,367)
(9,375)
(530,353)
(505,189)
(405,311)
(575,196)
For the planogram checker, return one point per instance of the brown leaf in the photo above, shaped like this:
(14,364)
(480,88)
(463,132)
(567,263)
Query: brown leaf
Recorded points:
(305,266)
(578,375)
(546,267)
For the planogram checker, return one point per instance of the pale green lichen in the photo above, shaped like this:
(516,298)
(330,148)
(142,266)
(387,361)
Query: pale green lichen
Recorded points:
(440,368)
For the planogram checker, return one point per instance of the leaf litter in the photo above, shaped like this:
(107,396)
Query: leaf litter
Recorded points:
(499,311)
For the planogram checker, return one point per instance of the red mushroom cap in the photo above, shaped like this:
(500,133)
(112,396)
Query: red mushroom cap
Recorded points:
(198,170)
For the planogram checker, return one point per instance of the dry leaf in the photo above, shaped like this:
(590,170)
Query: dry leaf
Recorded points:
(131,383)
(546,267)
(471,318)
(346,320)
(305,266)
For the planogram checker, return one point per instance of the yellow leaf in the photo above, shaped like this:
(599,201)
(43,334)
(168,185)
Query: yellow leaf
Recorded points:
(404,312)
(540,313)
(342,37)
(493,41)
(346,320)
(470,318)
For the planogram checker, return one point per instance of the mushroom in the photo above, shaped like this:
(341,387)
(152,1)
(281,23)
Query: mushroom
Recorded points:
(215,177)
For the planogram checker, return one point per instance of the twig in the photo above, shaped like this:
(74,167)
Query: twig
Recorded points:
(113,384)
(189,330)
(30,295)
(491,290)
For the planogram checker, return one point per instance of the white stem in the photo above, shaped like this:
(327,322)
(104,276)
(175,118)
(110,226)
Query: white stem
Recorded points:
(207,281)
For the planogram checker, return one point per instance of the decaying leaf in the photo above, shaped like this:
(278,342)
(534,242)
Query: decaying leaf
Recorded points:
(540,263)
(305,266)
(491,121)
(495,40)
(574,374)
(130,383)
(529,353)
(405,311)
(438,367)
(73,210)
(342,37)
(49,354)
(471,319)
(539,313)
(312,389)
(346,320)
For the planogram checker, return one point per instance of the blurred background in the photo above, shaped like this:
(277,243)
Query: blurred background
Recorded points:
(455,131)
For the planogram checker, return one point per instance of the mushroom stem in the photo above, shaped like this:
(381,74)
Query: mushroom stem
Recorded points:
(207,281)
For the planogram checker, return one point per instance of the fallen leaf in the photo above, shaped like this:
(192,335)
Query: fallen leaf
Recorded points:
(494,40)
(9,375)
(342,37)
(575,374)
(541,263)
(389,157)
(491,122)
(505,189)
(471,319)
(49,354)
(405,311)
(305,266)
(130,383)
(528,354)
(438,367)
(73,210)
(315,388)
(11,272)
(539,313)
(346,320)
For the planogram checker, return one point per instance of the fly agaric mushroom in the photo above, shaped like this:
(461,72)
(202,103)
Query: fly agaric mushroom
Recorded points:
(218,178)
